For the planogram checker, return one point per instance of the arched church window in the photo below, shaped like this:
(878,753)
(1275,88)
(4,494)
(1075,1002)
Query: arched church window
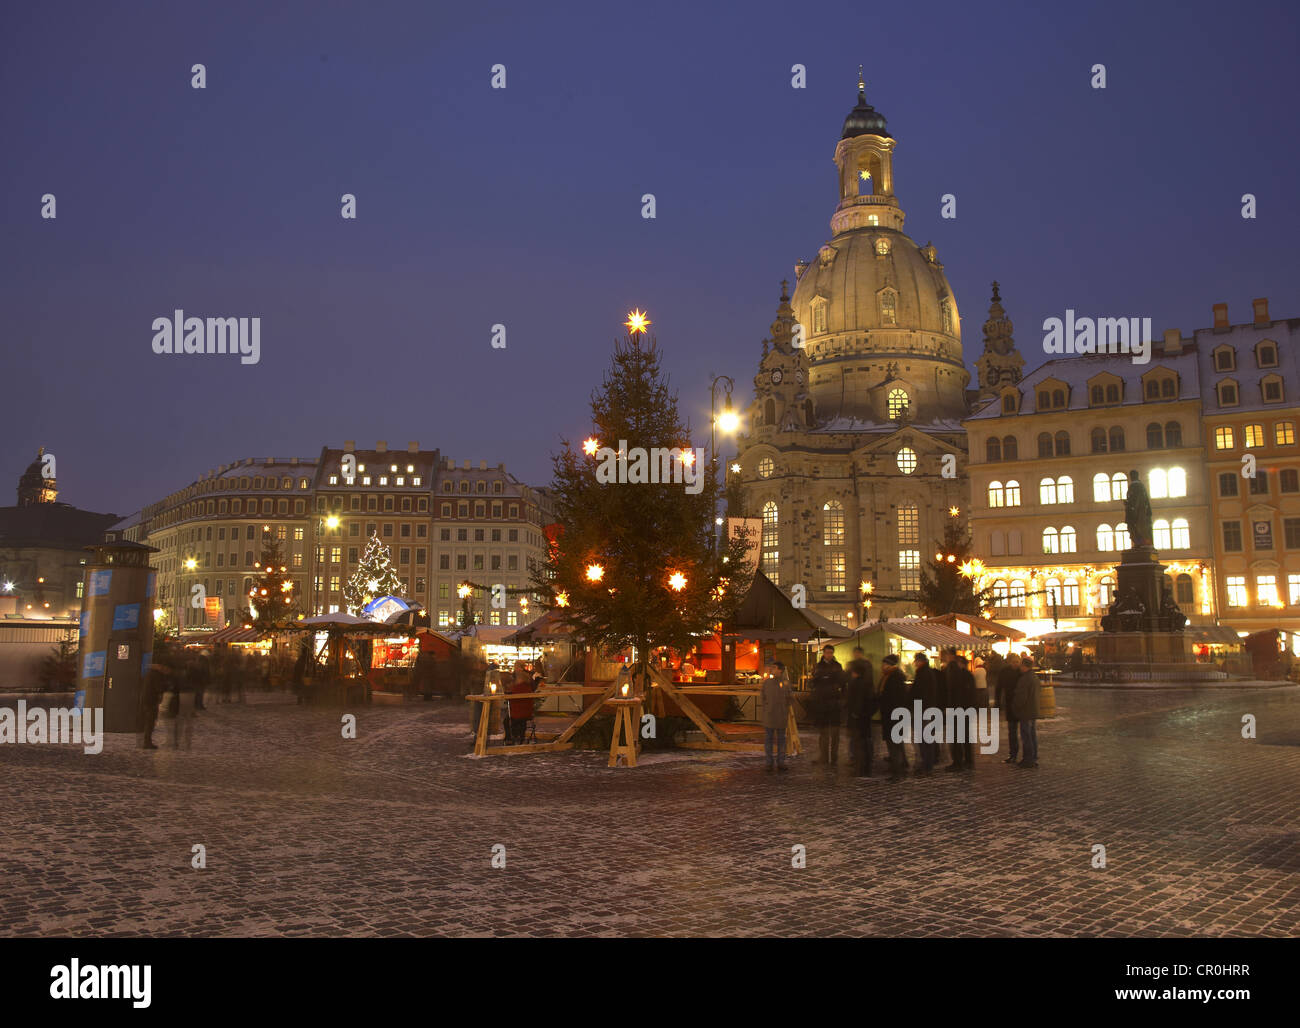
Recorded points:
(898,403)
(906,460)
(888,308)
(819,316)
(770,558)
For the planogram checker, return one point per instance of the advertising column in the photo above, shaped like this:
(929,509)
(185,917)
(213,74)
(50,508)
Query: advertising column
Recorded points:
(116,639)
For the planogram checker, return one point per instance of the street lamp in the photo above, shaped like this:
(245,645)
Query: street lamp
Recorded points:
(330,523)
(728,421)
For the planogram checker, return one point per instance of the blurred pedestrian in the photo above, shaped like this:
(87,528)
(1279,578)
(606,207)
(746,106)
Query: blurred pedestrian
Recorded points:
(156,685)
(925,688)
(521,711)
(776,697)
(1008,675)
(860,705)
(893,697)
(1025,703)
(961,698)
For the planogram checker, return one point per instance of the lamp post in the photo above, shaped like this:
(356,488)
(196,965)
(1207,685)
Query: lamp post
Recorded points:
(329,523)
(728,421)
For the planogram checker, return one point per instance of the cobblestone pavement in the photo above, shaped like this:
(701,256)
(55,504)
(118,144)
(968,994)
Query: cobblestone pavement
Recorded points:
(392,833)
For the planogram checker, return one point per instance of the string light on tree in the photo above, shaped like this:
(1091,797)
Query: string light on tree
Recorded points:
(375,576)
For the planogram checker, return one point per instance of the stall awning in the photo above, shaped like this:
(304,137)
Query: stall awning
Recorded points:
(1071,636)
(766,614)
(978,625)
(929,634)
(235,634)
(1218,635)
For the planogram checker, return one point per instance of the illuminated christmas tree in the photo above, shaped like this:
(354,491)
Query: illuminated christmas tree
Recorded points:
(273,599)
(375,576)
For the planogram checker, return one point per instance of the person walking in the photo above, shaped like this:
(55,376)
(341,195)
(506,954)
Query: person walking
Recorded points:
(893,696)
(860,705)
(156,684)
(1008,674)
(521,711)
(961,697)
(827,702)
(776,697)
(184,694)
(201,676)
(1025,703)
(926,688)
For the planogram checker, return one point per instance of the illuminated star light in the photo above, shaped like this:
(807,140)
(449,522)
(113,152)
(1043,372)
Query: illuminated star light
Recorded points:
(591,445)
(637,322)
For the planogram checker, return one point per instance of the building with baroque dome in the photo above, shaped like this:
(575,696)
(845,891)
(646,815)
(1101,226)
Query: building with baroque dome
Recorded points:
(854,451)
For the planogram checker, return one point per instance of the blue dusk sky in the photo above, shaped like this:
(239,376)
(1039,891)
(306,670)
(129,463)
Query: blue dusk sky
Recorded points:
(522,206)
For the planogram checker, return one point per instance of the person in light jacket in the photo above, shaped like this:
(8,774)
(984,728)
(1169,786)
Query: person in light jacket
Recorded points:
(776,697)
(1025,704)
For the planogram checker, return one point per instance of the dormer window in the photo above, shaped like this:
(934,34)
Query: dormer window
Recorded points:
(1227,393)
(898,404)
(819,316)
(1271,388)
(1225,359)
(1266,354)
(1008,403)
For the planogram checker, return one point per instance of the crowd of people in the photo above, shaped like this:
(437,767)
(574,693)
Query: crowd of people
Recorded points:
(855,699)
(180,681)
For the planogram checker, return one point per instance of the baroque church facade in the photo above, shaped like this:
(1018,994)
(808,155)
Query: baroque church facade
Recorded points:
(854,453)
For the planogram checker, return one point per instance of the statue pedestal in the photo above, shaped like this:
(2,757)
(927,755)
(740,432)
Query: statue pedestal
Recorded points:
(1142,628)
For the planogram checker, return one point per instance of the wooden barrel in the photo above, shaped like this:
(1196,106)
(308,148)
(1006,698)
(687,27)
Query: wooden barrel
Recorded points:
(1046,700)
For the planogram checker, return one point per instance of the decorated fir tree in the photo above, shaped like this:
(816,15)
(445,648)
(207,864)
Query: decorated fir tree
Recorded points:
(273,598)
(375,576)
(948,582)
(634,562)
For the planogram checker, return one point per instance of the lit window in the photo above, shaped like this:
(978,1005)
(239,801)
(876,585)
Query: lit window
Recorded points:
(1013,494)
(833,524)
(1223,438)
(1236,590)
(1101,487)
(1123,541)
(1160,534)
(1181,535)
(1284,433)
(1105,537)
(1051,541)
(765,467)
(1266,590)
(1159,483)
(1177,482)
(1070,593)
(835,572)
(1069,540)
(1047,491)
(906,460)
(1293,589)
(1119,486)
(996,496)
(909,570)
(1253,435)
(1017,596)
(897,403)
(888,308)
(1000,595)
(1106,591)
(909,525)
(770,559)
(334,479)
(1065,489)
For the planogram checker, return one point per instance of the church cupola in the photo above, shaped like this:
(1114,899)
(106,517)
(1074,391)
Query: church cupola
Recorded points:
(865,159)
(33,487)
(1000,364)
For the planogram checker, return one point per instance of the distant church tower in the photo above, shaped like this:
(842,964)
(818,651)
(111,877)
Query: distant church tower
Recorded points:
(33,488)
(1000,364)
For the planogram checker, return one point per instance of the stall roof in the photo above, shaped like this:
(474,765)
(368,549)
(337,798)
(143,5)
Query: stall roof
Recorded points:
(980,625)
(546,628)
(930,634)
(1075,635)
(766,613)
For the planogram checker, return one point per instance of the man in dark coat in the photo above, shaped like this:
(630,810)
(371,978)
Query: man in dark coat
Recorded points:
(827,699)
(1008,673)
(860,705)
(926,688)
(961,696)
(893,696)
(156,684)
(1025,704)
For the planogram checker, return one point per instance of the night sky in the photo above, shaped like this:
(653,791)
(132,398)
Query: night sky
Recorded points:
(523,206)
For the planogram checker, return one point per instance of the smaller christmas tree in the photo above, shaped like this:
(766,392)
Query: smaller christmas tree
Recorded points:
(273,599)
(947,584)
(375,576)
